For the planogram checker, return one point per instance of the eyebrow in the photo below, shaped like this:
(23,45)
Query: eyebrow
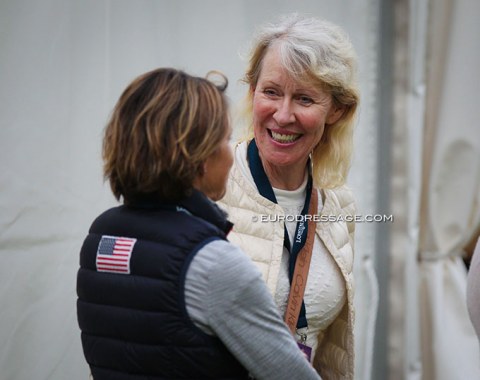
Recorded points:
(313,91)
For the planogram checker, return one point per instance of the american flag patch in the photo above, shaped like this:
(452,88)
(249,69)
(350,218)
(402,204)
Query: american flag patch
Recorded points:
(113,254)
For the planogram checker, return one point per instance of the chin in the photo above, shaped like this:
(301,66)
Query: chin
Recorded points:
(217,196)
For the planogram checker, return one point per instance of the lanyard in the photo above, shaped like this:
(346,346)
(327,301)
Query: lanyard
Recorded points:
(265,190)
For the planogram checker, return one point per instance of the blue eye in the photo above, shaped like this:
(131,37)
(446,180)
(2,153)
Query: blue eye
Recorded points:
(269,92)
(305,100)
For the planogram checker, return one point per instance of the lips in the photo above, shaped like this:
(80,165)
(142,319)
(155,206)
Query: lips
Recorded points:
(284,138)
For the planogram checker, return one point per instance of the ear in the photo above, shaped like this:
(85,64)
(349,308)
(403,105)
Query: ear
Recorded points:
(335,114)
(198,180)
(202,169)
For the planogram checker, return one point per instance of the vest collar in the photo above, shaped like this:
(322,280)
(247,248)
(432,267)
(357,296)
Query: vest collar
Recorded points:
(197,204)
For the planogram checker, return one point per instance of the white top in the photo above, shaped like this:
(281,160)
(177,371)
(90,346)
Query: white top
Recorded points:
(325,294)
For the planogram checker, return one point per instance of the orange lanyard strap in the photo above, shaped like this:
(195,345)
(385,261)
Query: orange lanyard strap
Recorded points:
(300,274)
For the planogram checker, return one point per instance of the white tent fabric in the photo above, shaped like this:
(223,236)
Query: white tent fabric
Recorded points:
(63,65)
(440,181)
(451,192)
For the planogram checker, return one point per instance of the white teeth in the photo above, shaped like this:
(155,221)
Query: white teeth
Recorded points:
(284,138)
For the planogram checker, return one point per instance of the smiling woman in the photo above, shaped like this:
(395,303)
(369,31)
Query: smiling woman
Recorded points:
(289,119)
(301,106)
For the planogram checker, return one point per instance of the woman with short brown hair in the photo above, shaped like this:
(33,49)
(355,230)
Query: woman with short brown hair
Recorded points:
(161,292)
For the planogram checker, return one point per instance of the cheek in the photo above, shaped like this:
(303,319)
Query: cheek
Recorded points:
(318,134)
(313,128)
(255,114)
(318,139)
(229,159)
(260,110)
(319,130)
(314,123)
(225,160)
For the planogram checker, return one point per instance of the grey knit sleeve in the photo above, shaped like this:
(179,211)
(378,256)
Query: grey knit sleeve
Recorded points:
(226,296)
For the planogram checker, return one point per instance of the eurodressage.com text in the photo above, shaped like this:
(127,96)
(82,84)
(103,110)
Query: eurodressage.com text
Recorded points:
(369,218)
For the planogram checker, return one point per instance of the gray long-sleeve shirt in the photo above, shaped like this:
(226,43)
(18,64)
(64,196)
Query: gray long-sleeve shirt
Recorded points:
(226,296)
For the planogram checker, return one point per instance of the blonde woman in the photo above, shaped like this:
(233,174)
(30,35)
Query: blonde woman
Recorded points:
(301,105)
(161,292)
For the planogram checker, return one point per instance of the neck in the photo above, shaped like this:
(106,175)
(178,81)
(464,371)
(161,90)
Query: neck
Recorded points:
(285,177)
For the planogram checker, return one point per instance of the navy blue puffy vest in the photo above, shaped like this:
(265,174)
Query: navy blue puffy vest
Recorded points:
(135,326)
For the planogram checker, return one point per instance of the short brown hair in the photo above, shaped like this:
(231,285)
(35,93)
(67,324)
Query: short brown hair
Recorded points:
(163,127)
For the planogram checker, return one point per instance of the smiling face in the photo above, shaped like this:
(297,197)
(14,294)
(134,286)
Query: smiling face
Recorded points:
(289,117)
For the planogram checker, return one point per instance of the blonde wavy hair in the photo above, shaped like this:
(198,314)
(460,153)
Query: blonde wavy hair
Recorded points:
(316,52)
(164,126)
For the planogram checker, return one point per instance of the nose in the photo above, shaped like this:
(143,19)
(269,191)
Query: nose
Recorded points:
(284,114)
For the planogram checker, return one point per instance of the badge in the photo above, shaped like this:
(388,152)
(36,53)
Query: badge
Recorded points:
(114,254)
(307,351)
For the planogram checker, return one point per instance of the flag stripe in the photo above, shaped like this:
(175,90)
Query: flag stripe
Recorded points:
(112,262)
(112,270)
